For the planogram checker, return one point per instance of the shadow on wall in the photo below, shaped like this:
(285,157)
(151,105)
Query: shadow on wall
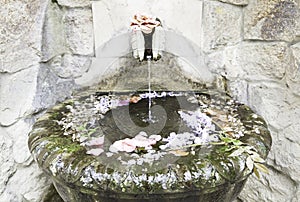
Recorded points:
(110,56)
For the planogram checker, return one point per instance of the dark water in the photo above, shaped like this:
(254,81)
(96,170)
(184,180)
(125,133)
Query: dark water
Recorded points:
(129,120)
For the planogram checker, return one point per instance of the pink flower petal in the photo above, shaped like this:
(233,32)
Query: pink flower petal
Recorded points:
(155,137)
(142,141)
(124,145)
(95,152)
(96,141)
(144,22)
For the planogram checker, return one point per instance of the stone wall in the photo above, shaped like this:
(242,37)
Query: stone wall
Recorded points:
(47,47)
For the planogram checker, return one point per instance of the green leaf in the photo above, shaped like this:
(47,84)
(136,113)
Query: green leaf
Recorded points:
(237,152)
(250,163)
(226,139)
(237,142)
(81,128)
(249,150)
(261,167)
(227,149)
(257,159)
(217,143)
(92,131)
(256,173)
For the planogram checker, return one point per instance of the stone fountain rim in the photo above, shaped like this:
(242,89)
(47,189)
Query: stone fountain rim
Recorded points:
(65,176)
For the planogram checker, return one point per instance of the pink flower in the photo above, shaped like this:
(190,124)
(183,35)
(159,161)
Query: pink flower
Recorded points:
(123,145)
(143,22)
(97,146)
(95,152)
(155,137)
(142,141)
(96,142)
(129,145)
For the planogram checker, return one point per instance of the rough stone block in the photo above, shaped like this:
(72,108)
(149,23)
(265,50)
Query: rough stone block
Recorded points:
(239,90)
(287,139)
(226,63)
(252,61)
(23,57)
(103,29)
(20,34)
(79,31)
(263,60)
(70,66)
(22,185)
(293,71)
(273,102)
(7,166)
(272,20)
(287,162)
(182,17)
(281,111)
(17,92)
(51,89)
(74,3)
(221,25)
(19,133)
(272,187)
(54,42)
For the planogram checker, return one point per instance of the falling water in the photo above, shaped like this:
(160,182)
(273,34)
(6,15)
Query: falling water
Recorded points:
(149,89)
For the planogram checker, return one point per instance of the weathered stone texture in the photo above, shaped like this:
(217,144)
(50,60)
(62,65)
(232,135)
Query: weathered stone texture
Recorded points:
(51,88)
(7,167)
(272,20)
(254,45)
(224,21)
(281,110)
(18,176)
(286,139)
(269,189)
(22,185)
(273,102)
(70,66)
(239,89)
(20,52)
(293,73)
(252,61)
(263,60)
(226,62)
(76,64)
(288,162)
(19,23)
(20,151)
(54,39)
(79,31)
(17,92)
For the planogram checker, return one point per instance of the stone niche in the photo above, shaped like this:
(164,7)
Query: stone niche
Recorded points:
(112,36)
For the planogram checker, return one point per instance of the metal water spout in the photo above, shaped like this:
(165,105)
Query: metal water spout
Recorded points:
(148,37)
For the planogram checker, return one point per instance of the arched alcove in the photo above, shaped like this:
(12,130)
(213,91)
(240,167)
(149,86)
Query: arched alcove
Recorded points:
(116,53)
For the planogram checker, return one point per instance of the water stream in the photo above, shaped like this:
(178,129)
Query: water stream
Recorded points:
(149,89)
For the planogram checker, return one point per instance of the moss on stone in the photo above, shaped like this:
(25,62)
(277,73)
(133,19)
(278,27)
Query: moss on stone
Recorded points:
(205,167)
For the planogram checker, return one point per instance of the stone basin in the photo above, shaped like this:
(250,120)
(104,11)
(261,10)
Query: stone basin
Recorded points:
(205,146)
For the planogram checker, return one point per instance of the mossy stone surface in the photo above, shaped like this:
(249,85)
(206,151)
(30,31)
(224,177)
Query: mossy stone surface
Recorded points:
(207,173)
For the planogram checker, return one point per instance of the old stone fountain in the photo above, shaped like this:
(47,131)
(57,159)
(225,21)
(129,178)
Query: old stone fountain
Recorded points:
(150,133)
